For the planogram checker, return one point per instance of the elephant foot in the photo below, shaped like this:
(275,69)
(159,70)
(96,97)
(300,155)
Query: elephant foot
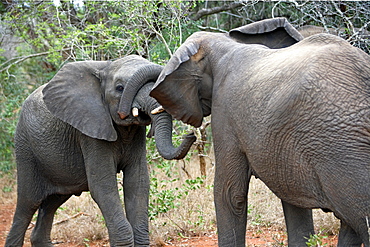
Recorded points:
(42,244)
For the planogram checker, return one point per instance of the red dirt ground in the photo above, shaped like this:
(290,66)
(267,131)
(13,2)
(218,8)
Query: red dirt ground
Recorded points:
(260,237)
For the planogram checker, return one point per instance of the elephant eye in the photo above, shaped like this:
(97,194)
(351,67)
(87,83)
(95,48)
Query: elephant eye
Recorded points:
(119,88)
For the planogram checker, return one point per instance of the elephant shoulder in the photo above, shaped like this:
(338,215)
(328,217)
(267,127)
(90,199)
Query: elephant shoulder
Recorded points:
(34,102)
(34,113)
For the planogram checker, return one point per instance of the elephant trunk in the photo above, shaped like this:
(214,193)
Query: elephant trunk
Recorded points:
(138,79)
(163,138)
(162,123)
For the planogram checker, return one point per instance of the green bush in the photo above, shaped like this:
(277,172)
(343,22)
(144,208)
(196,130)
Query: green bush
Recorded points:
(11,97)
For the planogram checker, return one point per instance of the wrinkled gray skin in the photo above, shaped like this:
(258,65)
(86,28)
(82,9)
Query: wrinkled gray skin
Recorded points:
(296,115)
(70,139)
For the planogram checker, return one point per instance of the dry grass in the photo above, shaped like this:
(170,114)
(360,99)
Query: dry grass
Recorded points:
(79,219)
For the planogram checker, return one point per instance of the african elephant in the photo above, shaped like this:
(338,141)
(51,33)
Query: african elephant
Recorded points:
(70,139)
(294,114)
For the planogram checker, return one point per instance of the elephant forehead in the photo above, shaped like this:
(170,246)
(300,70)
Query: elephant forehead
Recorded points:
(123,68)
(130,59)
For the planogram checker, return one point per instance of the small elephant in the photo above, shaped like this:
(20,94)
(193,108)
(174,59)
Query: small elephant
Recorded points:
(295,113)
(70,138)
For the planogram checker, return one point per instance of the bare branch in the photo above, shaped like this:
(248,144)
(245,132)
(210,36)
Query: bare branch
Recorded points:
(204,12)
(160,37)
(21,59)
(212,28)
(69,218)
(351,27)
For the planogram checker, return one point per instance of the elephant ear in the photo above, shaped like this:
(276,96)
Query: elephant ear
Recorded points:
(176,90)
(74,95)
(273,33)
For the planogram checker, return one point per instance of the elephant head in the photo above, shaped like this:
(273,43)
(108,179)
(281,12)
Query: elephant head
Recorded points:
(91,96)
(185,86)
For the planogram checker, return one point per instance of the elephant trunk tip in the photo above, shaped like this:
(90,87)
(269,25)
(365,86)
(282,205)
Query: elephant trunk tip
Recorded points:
(189,139)
(180,152)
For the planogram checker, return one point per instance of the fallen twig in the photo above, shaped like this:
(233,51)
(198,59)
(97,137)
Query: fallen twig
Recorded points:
(69,218)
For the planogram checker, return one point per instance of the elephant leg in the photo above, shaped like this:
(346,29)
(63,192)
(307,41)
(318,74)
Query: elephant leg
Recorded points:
(348,237)
(21,220)
(102,180)
(299,224)
(107,197)
(231,185)
(29,198)
(41,233)
(136,196)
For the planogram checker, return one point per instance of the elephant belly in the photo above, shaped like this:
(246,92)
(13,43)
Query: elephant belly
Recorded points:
(292,184)
(66,177)
(316,174)
(63,171)
(56,159)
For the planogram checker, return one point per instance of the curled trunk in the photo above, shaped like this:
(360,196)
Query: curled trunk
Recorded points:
(162,124)
(138,79)
(163,138)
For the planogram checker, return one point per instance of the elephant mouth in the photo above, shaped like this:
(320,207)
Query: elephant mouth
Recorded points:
(137,117)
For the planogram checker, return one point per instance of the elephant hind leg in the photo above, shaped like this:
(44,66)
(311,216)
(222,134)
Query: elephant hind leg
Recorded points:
(299,224)
(21,220)
(29,197)
(348,237)
(41,233)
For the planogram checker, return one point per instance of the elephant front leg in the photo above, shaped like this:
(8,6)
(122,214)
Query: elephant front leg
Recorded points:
(230,192)
(104,191)
(136,191)
(102,180)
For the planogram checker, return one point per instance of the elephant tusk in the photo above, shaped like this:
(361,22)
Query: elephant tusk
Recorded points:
(157,110)
(135,112)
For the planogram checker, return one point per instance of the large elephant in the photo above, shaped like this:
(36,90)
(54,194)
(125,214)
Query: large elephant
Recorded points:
(70,138)
(294,114)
